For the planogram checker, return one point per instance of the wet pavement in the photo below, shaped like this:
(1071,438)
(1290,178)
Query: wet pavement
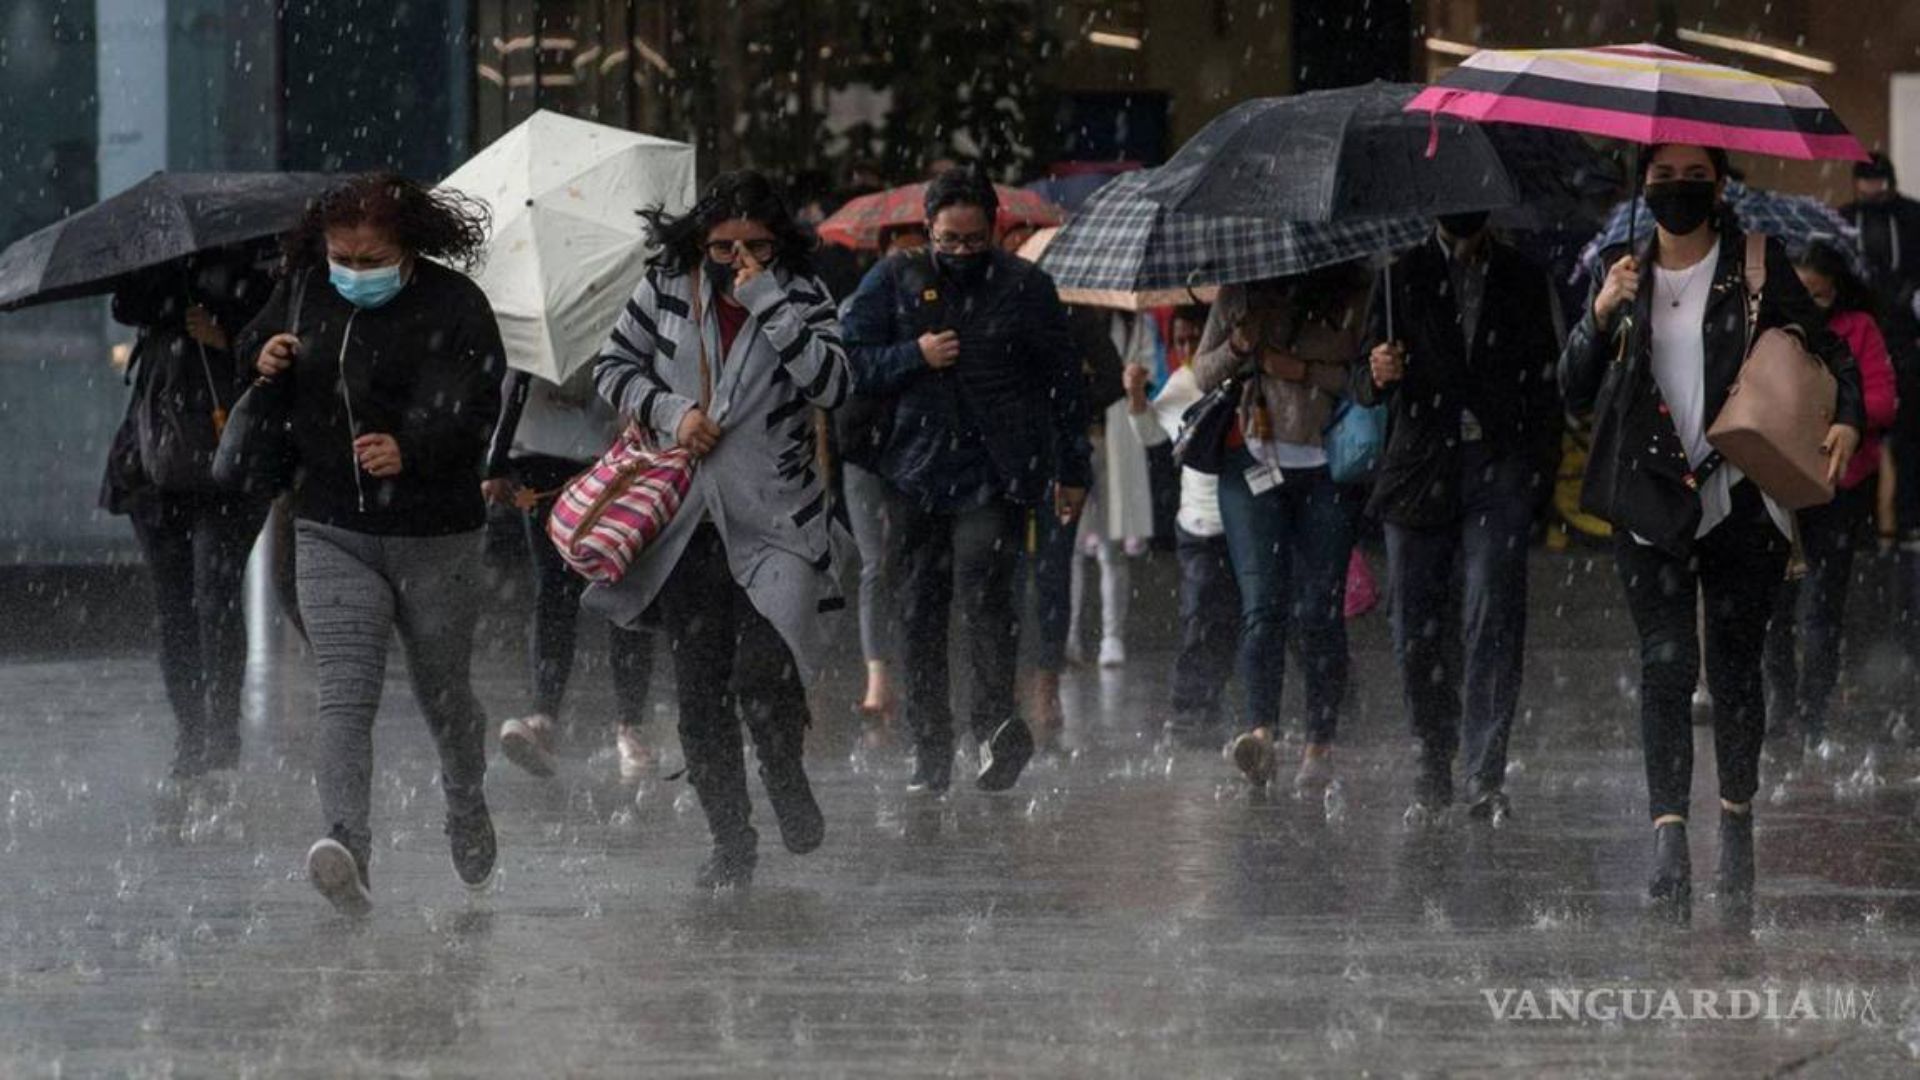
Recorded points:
(1130,909)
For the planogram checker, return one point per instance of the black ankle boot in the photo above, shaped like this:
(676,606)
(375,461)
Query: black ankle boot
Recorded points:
(727,868)
(1672,867)
(1736,856)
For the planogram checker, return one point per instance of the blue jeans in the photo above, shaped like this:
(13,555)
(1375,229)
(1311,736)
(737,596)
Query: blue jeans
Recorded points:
(1290,546)
(1050,566)
(1459,601)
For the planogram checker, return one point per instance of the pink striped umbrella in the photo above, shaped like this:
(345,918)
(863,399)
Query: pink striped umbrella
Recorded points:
(1644,94)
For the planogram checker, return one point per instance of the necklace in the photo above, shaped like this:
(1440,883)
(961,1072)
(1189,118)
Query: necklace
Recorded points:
(1686,282)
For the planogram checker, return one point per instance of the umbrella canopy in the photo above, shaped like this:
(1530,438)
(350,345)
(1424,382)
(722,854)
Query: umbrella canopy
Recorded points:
(1333,155)
(1797,220)
(167,216)
(1070,192)
(1644,94)
(858,223)
(1125,250)
(568,242)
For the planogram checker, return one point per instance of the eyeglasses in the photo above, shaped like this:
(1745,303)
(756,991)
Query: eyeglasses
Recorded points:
(956,243)
(724,251)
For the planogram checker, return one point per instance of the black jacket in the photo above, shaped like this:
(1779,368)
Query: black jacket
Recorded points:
(425,368)
(1638,476)
(1017,391)
(1890,236)
(167,439)
(1506,380)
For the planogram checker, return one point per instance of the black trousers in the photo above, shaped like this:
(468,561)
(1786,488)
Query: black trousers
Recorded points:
(1736,568)
(731,666)
(196,548)
(1209,630)
(556,625)
(1459,595)
(973,553)
(1811,612)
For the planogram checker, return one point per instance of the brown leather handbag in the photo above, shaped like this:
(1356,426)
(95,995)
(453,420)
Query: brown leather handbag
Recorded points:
(1778,411)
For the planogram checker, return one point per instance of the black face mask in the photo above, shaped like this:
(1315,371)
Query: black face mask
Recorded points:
(722,275)
(1464,226)
(1681,206)
(965,269)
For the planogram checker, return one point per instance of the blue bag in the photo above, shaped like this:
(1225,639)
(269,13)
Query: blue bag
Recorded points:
(1353,440)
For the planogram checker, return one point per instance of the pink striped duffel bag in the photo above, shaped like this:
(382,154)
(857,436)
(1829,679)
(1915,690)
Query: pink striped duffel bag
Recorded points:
(607,515)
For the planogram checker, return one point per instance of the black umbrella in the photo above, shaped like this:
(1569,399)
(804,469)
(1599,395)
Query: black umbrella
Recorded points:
(164,217)
(1334,155)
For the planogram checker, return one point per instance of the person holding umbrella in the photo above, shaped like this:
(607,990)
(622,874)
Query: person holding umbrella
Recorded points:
(387,362)
(1688,527)
(547,435)
(1466,374)
(1289,527)
(195,537)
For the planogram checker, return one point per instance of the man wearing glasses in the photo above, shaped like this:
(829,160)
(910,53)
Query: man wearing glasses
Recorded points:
(967,345)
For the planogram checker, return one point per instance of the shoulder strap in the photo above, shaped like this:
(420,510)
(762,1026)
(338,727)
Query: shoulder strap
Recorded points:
(1756,274)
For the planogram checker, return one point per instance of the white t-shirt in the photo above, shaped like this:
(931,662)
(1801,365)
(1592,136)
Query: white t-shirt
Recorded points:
(1199,492)
(1679,306)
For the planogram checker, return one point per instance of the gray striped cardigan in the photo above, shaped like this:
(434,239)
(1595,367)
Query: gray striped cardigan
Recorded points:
(759,487)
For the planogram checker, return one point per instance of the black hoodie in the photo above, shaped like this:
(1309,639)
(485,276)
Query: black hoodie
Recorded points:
(425,368)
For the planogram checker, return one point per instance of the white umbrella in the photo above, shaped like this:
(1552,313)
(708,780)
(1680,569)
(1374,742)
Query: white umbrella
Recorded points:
(568,243)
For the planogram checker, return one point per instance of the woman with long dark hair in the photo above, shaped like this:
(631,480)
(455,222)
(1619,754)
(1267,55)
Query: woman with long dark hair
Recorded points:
(1654,356)
(728,342)
(1810,612)
(388,362)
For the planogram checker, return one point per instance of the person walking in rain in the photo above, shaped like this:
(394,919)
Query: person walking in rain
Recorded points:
(728,343)
(1466,374)
(1289,527)
(547,435)
(388,362)
(990,413)
(1687,526)
(195,537)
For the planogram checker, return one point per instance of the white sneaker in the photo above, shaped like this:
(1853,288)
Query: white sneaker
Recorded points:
(528,743)
(333,871)
(636,758)
(1113,652)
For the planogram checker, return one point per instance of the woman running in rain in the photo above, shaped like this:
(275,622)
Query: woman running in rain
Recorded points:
(388,362)
(1687,526)
(727,343)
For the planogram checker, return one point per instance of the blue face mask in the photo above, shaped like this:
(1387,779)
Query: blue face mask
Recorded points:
(366,288)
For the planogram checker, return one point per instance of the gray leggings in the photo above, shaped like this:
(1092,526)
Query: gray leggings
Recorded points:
(356,589)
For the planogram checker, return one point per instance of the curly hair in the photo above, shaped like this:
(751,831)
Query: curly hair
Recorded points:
(679,239)
(443,225)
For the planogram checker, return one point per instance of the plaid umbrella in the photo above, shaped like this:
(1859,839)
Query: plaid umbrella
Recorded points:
(858,223)
(1644,94)
(1797,220)
(1125,250)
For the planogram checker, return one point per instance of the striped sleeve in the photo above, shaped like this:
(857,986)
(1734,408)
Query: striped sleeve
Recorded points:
(800,322)
(625,375)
